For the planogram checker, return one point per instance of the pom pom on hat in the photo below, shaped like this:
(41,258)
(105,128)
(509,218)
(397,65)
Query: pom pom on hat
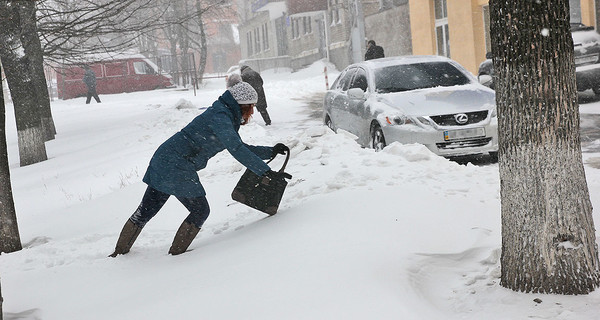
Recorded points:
(243,93)
(233,79)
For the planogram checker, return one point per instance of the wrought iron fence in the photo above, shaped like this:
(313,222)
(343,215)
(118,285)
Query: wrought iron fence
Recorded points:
(181,68)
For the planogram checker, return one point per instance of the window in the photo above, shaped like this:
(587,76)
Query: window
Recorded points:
(335,12)
(486,28)
(116,69)
(249,41)
(441,28)
(295,28)
(418,76)
(344,82)
(307,25)
(265,36)
(256,40)
(141,67)
(360,80)
(575,11)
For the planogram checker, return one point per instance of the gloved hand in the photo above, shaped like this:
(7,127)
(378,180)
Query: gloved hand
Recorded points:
(271,174)
(275,175)
(279,148)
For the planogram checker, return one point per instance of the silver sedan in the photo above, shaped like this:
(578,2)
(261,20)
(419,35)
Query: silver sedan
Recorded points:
(429,100)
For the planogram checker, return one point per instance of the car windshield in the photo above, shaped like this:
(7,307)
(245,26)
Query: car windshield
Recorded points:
(406,77)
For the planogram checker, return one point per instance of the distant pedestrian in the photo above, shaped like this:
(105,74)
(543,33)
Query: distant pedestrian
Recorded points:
(373,51)
(89,78)
(256,81)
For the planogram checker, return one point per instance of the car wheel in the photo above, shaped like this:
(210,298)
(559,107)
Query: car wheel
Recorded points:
(596,90)
(329,123)
(377,138)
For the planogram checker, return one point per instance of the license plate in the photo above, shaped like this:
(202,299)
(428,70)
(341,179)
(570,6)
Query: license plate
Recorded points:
(586,59)
(463,134)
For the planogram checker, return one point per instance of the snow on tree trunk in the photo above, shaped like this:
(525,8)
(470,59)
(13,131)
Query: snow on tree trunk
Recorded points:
(18,73)
(548,235)
(30,141)
(9,230)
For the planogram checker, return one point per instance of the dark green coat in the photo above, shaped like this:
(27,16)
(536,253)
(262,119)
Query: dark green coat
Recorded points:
(173,168)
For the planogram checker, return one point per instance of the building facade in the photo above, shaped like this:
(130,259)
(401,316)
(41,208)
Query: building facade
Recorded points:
(223,40)
(459,29)
(263,30)
(295,33)
(393,16)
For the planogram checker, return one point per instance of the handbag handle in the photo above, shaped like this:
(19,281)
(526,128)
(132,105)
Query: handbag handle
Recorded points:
(287,157)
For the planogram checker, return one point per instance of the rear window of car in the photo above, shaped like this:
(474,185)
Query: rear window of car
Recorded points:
(408,77)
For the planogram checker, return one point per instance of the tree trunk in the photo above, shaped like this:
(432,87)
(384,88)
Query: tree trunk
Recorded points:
(22,88)
(9,230)
(33,49)
(548,235)
(597,5)
(1,302)
(203,48)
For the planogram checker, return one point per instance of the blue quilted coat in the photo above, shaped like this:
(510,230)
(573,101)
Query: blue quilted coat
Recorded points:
(173,167)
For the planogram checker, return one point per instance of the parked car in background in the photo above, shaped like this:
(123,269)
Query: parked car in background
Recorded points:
(123,74)
(429,100)
(586,43)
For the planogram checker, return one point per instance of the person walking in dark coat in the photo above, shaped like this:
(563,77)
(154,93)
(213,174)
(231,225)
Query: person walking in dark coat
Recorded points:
(89,78)
(373,51)
(173,168)
(256,81)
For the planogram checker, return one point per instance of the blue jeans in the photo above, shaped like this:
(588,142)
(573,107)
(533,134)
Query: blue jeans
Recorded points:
(154,200)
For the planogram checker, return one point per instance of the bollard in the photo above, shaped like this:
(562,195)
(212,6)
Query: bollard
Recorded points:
(326,79)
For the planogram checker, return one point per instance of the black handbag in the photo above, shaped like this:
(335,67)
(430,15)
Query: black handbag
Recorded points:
(260,192)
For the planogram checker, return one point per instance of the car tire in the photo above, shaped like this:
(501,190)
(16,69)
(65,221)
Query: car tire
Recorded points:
(596,90)
(329,123)
(377,138)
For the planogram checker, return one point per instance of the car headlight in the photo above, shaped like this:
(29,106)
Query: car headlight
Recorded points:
(494,113)
(398,120)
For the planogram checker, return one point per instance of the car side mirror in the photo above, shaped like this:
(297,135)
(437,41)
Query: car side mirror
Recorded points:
(486,80)
(356,93)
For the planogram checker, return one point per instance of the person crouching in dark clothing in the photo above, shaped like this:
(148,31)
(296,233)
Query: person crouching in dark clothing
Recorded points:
(89,78)
(373,51)
(173,168)
(256,81)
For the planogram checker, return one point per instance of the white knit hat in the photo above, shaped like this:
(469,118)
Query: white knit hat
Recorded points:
(243,93)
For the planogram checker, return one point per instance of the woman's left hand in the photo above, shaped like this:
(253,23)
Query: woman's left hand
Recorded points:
(280,148)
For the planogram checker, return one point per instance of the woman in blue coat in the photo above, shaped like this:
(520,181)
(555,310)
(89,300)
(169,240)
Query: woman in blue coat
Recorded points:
(173,167)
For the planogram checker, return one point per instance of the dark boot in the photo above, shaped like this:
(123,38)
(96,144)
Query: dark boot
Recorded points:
(128,235)
(184,237)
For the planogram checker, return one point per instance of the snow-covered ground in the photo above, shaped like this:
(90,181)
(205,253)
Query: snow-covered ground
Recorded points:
(399,234)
